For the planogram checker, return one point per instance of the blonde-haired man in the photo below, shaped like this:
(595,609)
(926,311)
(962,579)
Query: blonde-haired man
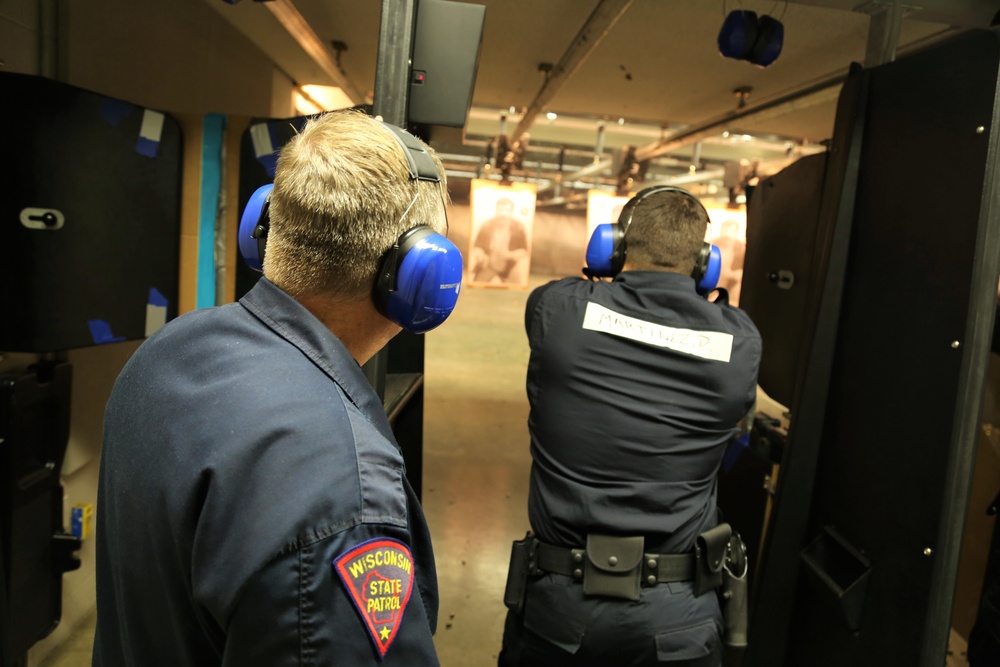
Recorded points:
(253,507)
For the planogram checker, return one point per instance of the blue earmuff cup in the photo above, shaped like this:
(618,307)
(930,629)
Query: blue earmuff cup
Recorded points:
(713,271)
(600,249)
(770,39)
(428,282)
(249,248)
(738,34)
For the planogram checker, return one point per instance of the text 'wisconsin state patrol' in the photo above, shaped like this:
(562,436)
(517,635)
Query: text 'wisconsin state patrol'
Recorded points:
(378,559)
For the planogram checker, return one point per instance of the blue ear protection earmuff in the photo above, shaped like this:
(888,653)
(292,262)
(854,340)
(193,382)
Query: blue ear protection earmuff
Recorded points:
(419,280)
(254,224)
(419,277)
(607,249)
(744,36)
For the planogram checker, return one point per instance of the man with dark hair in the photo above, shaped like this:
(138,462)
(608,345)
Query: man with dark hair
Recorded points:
(636,385)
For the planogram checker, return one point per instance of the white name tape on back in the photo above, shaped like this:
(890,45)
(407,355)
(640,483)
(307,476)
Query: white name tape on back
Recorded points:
(712,345)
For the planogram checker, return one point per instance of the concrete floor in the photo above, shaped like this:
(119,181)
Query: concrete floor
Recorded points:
(475,475)
(476,465)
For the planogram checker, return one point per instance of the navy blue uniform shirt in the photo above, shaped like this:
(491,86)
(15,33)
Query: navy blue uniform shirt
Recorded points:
(636,386)
(253,507)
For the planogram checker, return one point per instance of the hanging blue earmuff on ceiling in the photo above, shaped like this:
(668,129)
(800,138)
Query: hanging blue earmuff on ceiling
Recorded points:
(419,277)
(607,248)
(745,36)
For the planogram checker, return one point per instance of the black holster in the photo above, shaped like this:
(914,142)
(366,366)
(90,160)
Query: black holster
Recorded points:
(733,596)
(523,563)
(721,565)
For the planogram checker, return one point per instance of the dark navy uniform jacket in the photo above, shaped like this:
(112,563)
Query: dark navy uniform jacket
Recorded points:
(636,386)
(245,454)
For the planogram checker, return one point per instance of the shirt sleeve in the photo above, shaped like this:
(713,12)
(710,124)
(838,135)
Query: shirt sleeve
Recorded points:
(531,307)
(300,610)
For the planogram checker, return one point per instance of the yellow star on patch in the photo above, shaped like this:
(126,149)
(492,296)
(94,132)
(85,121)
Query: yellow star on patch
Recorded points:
(384,632)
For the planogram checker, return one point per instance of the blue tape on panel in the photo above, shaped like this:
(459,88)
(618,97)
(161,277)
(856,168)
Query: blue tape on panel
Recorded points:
(157,299)
(264,146)
(150,131)
(212,136)
(100,331)
(114,111)
(156,311)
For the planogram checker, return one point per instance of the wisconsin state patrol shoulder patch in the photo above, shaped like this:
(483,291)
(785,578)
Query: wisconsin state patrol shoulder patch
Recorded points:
(378,575)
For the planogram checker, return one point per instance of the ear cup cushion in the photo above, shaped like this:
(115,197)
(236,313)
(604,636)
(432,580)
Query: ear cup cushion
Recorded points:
(605,243)
(712,271)
(422,289)
(738,34)
(255,213)
(770,39)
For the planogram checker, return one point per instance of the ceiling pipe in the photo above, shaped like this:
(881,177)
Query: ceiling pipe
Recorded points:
(807,96)
(795,101)
(595,29)
(817,93)
(297,26)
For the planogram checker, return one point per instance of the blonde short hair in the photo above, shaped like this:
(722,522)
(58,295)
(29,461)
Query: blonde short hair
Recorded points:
(341,189)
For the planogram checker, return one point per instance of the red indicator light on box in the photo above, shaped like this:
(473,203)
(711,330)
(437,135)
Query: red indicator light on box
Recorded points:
(418,77)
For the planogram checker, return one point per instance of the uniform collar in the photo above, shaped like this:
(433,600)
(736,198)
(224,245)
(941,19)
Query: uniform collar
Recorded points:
(292,321)
(661,279)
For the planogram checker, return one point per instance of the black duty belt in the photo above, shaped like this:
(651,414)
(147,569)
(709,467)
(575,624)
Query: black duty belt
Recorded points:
(656,568)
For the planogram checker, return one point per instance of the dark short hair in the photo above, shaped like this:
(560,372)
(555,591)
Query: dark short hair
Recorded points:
(667,233)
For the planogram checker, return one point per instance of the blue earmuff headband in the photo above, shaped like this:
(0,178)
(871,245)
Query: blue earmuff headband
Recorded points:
(607,249)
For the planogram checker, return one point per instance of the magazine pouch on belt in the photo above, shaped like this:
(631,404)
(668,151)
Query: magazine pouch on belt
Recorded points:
(613,566)
(710,555)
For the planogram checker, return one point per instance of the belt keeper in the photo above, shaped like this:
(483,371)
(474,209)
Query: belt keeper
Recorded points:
(577,555)
(651,565)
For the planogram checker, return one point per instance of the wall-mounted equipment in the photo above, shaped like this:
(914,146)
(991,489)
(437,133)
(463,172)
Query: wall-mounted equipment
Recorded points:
(445,59)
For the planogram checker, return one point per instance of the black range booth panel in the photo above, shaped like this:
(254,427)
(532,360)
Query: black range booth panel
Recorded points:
(90,221)
(34,549)
(780,282)
(90,217)
(885,334)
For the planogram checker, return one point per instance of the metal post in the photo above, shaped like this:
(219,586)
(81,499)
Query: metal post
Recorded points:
(390,101)
(883,34)
(395,51)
